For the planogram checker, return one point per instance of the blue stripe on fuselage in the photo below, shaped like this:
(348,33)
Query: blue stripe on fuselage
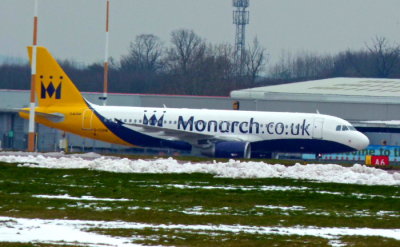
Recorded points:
(300,146)
(138,139)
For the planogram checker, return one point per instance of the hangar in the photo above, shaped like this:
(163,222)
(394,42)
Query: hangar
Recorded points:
(358,100)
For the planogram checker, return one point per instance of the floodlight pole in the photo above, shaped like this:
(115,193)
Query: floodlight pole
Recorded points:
(240,19)
(32,105)
(105,84)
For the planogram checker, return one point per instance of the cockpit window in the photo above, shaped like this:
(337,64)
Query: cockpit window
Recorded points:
(345,128)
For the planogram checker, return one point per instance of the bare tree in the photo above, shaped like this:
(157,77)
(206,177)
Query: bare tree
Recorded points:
(303,66)
(353,64)
(214,74)
(385,56)
(312,66)
(255,60)
(145,54)
(282,69)
(188,49)
(14,76)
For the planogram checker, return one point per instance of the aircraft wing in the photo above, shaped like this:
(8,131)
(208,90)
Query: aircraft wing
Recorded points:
(197,139)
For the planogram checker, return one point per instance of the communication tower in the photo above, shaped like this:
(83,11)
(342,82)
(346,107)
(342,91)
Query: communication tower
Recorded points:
(240,19)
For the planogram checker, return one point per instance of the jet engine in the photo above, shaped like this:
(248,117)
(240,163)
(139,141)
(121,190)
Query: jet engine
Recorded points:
(229,149)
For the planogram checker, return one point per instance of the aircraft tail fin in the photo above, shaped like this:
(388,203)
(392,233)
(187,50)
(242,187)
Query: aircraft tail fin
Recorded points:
(53,86)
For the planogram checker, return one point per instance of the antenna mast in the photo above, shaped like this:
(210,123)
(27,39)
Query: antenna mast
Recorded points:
(105,84)
(240,19)
(32,105)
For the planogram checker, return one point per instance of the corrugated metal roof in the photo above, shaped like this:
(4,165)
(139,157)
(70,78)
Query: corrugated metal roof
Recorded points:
(329,90)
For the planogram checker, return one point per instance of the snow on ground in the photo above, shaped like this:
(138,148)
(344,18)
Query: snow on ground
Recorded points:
(357,174)
(56,231)
(82,198)
(73,231)
(292,208)
(243,188)
(88,155)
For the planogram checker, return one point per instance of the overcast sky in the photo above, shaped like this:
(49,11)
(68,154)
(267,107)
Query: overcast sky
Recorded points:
(74,29)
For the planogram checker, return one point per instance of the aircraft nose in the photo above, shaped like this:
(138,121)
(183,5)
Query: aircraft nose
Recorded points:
(360,141)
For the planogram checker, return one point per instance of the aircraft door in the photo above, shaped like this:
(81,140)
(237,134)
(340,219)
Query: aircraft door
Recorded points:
(87,119)
(318,128)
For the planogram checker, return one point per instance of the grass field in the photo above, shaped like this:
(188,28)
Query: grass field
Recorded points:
(199,209)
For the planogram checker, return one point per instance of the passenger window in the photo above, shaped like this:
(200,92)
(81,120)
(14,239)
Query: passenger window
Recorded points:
(338,128)
(344,128)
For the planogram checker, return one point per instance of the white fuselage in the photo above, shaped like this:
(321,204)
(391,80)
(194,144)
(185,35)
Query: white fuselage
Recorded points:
(302,132)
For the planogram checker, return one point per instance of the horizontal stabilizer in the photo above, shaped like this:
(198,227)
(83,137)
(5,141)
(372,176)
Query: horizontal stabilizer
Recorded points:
(54,117)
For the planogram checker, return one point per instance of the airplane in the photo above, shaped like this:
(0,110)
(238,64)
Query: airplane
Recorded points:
(215,133)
